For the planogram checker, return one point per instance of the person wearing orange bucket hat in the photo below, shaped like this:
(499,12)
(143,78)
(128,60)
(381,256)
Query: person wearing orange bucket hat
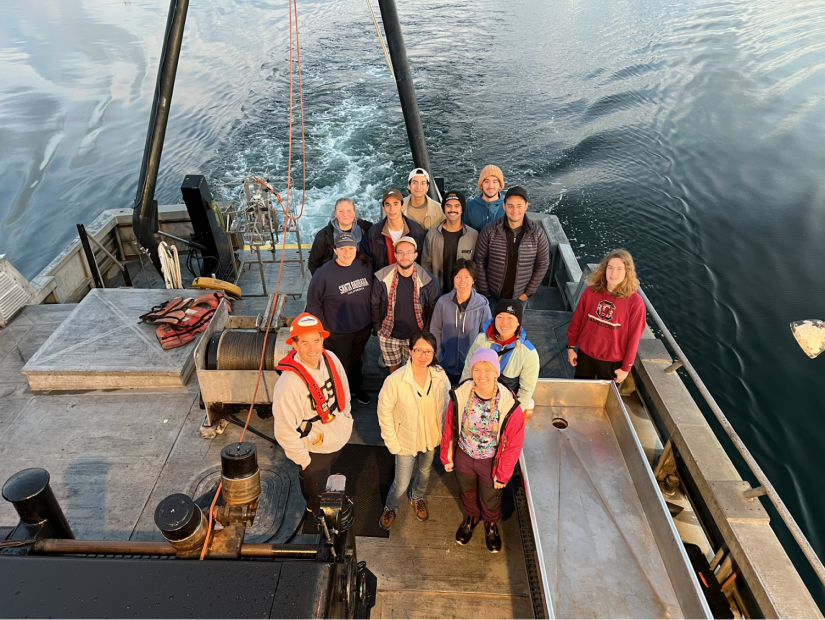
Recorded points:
(311,406)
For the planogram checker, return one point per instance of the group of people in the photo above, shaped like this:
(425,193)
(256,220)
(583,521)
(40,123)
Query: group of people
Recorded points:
(444,288)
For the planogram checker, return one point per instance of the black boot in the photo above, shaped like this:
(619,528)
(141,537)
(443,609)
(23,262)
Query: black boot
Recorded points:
(493,537)
(465,530)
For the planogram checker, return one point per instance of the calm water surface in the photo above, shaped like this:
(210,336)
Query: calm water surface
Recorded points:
(690,133)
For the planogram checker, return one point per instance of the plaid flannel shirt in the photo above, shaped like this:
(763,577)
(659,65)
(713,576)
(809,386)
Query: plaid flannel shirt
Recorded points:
(389,320)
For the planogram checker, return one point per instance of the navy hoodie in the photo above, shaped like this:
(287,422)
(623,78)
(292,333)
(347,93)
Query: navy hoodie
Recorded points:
(340,296)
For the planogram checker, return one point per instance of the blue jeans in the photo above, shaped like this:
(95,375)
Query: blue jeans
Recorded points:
(404,465)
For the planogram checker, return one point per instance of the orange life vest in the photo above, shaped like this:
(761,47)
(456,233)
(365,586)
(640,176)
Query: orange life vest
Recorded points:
(325,414)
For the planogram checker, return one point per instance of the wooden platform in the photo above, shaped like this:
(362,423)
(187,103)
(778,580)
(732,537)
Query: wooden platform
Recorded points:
(103,345)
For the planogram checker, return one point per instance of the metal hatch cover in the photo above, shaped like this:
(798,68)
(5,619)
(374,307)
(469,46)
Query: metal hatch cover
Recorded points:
(606,546)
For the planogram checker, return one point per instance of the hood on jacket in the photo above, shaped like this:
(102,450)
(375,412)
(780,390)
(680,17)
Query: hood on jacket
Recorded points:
(476,301)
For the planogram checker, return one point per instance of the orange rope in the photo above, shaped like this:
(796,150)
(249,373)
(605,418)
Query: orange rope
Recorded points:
(287,218)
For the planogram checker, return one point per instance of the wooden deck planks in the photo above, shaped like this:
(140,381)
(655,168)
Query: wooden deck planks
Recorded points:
(422,604)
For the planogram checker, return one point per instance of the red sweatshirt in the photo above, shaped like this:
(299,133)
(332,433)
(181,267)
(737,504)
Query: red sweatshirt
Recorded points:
(607,328)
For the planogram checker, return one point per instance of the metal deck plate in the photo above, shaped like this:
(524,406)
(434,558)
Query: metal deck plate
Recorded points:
(103,345)
(599,556)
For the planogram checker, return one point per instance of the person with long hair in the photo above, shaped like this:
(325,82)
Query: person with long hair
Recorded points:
(411,409)
(482,439)
(608,321)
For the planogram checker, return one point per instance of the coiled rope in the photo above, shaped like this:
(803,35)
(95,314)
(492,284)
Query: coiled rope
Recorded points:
(170,265)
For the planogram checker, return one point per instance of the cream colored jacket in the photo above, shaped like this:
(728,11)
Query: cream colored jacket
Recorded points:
(434,216)
(398,409)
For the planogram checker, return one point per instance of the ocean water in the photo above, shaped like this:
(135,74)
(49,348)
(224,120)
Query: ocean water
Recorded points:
(690,133)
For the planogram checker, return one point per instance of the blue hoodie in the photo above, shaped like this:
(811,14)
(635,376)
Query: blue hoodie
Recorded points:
(455,332)
(479,212)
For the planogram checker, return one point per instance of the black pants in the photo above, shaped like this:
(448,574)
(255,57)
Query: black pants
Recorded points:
(590,368)
(350,349)
(314,478)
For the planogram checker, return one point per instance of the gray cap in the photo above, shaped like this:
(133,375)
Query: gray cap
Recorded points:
(406,240)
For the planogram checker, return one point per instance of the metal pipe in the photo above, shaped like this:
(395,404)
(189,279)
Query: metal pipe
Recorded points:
(770,491)
(126,278)
(104,547)
(31,495)
(406,88)
(58,546)
(190,243)
(294,552)
(94,271)
(145,214)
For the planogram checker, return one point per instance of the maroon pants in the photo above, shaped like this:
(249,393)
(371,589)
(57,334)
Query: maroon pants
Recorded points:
(475,480)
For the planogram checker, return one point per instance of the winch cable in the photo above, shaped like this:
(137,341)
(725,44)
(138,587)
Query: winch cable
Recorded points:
(293,6)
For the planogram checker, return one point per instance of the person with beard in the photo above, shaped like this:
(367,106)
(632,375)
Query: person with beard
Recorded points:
(608,321)
(402,300)
(487,206)
(448,242)
(343,219)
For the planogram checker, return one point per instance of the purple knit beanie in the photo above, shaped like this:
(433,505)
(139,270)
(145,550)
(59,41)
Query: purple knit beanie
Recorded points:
(486,355)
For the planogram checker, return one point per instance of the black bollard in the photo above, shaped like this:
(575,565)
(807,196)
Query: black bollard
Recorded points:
(32,497)
(240,474)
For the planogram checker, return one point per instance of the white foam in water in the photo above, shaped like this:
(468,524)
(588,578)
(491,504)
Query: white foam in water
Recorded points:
(343,160)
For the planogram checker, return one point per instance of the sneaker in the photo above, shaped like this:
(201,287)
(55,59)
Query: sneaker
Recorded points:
(361,396)
(420,509)
(387,519)
(465,530)
(493,537)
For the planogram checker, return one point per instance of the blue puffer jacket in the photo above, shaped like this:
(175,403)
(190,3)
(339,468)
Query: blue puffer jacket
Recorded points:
(479,212)
(455,332)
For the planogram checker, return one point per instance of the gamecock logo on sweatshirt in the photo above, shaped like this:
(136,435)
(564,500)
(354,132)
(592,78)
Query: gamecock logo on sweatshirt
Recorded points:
(605,310)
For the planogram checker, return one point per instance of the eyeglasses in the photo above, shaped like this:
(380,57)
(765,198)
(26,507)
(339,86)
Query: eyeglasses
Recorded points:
(427,352)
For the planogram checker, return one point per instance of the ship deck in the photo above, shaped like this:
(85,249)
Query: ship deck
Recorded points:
(113,454)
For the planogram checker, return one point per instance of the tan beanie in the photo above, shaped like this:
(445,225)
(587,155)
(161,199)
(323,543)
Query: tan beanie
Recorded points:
(491,171)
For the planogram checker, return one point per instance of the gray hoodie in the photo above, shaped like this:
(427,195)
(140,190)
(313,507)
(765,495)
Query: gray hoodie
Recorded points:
(455,331)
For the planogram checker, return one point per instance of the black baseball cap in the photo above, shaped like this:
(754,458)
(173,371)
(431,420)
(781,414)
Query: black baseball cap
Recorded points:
(517,190)
(509,306)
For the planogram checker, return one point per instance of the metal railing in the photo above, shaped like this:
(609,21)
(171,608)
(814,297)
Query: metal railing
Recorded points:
(766,487)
